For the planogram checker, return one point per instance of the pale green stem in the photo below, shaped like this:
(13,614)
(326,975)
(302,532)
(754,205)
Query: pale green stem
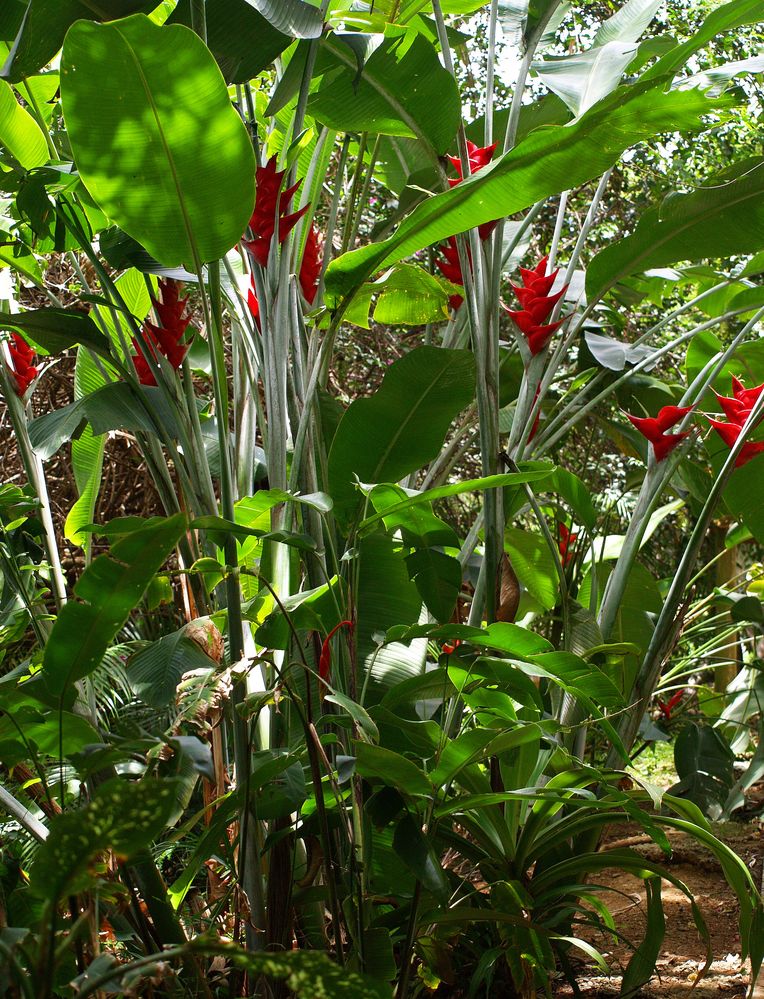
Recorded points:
(22,815)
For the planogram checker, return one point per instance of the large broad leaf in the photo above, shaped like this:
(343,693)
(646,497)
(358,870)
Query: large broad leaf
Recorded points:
(56,330)
(584,78)
(385,597)
(548,161)
(154,673)
(19,132)
(156,139)
(107,592)
(116,406)
(628,23)
(403,90)
(400,427)
(724,217)
(243,42)
(45,23)
(295,18)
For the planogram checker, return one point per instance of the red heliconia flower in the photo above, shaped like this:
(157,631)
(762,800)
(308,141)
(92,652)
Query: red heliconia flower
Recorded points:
(448,648)
(21,367)
(479,156)
(252,302)
(565,544)
(166,336)
(325,659)
(310,268)
(737,409)
(537,304)
(271,202)
(654,428)
(729,433)
(451,268)
(666,709)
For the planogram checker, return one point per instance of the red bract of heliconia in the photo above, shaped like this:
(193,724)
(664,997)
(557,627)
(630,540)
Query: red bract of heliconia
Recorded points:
(737,409)
(478,156)
(21,367)
(565,544)
(271,203)
(537,304)
(325,659)
(654,428)
(450,267)
(309,276)
(310,268)
(166,336)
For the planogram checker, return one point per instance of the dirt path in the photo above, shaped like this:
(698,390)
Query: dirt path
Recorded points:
(683,952)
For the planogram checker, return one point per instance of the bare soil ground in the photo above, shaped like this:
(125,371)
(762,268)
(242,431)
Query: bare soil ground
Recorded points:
(683,953)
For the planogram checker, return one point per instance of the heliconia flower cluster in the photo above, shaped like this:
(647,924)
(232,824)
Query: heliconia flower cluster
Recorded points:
(449,266)
(737,409)
(167,335)
(536,304)
(270,202)
(654,428)
(22,367)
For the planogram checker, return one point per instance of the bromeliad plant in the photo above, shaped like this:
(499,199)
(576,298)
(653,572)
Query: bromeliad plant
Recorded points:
(363,754)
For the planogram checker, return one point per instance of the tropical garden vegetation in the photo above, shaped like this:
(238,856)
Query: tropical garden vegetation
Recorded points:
(427,336)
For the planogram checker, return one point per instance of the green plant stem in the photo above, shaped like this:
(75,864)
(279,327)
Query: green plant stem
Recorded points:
(248,865)
(36,476)
(486,351)
(22,815)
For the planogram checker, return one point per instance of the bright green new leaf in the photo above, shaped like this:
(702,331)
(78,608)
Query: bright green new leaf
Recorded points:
(548,161)
(723,217)
(156,139)
(19,132)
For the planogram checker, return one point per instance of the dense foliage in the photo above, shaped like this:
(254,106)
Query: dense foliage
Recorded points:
(426,319)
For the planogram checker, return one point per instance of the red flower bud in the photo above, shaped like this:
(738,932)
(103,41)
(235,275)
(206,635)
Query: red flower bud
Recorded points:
(325,659)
